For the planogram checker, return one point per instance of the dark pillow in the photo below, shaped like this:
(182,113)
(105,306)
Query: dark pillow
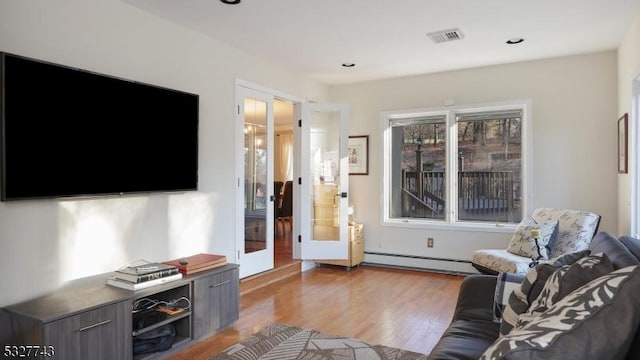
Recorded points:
(565,280)
(595,322)
(546,269)
(522,297)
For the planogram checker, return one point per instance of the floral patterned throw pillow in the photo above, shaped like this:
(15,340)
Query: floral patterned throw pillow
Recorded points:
(524,244)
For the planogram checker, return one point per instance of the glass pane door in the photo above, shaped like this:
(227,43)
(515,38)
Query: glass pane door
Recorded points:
(255,182)
(326,178)
(255,175)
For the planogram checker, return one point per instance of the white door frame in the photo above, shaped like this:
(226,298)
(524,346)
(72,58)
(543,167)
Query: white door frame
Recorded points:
(634,159)
(239,230)
(338,250)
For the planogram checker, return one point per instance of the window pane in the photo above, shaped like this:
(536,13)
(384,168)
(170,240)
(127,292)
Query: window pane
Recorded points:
(489,167)
(418,148)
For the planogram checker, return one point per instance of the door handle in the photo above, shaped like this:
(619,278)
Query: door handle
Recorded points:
(342,195)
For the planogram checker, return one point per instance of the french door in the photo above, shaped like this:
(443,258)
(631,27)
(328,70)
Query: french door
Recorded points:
(255,249)
(324,181)
(320,186)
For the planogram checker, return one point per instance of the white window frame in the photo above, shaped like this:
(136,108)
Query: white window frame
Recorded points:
(450,222)
(634,159)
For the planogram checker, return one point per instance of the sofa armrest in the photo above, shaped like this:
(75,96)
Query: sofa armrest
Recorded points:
(475,300)
(617,251)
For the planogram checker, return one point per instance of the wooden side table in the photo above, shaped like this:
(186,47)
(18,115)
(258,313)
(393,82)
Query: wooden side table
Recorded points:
(356,248)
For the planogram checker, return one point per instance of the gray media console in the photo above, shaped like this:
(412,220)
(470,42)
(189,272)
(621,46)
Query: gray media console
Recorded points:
(88,319)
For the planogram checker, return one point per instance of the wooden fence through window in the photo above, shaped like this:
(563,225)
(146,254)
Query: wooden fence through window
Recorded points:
(482,195)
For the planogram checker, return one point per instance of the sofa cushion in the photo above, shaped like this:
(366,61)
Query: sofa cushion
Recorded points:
(596,319)
(475,299)
(500,260)
(523,244)
(465,340)
(565,280)
(472,330)
(522,297)
(575,228)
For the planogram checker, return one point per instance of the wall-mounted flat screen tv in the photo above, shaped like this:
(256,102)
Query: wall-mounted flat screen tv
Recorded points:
(70,132)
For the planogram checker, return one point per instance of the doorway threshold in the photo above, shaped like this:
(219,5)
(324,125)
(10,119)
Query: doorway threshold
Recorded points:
(268,277)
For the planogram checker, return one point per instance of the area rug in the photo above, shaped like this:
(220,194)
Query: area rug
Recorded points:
(284,342)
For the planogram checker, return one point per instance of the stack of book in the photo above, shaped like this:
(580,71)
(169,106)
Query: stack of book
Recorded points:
(144,276)
(197,263)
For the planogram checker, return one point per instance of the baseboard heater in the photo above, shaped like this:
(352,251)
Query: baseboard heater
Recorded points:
(424,263)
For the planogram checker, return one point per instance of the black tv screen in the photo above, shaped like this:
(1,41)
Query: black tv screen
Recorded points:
(71,132)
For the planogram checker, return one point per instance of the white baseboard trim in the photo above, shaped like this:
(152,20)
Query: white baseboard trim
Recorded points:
(307,265)
(419,262)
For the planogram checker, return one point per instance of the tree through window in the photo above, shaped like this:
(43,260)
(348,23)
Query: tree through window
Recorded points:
(489,166)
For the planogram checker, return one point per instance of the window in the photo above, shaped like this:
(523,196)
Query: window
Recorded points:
(634,151)
(455,166)
(419,163)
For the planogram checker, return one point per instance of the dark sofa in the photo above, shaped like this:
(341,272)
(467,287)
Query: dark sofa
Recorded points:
(473,330)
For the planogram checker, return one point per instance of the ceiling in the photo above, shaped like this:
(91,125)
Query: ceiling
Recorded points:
(388,38)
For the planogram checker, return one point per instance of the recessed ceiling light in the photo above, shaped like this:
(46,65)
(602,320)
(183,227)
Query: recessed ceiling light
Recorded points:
(348,65)
(230,2)
(515,41)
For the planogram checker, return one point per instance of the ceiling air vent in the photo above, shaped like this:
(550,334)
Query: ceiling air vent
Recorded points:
(446,35)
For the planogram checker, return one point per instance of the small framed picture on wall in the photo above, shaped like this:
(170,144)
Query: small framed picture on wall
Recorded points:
(623,146)
(358,152)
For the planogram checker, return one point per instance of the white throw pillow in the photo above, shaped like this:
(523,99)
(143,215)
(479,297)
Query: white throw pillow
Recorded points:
(523,244)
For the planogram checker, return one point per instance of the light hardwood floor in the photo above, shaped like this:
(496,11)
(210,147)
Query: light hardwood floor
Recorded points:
(398,308)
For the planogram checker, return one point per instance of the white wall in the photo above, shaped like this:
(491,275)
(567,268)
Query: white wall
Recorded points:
(628,70)
(574,141)
(46,242)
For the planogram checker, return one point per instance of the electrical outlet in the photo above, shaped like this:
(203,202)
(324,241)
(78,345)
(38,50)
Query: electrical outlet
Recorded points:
(429,242)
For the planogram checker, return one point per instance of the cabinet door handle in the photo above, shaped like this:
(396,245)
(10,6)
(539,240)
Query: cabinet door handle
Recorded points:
(94,325)
(219,284)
